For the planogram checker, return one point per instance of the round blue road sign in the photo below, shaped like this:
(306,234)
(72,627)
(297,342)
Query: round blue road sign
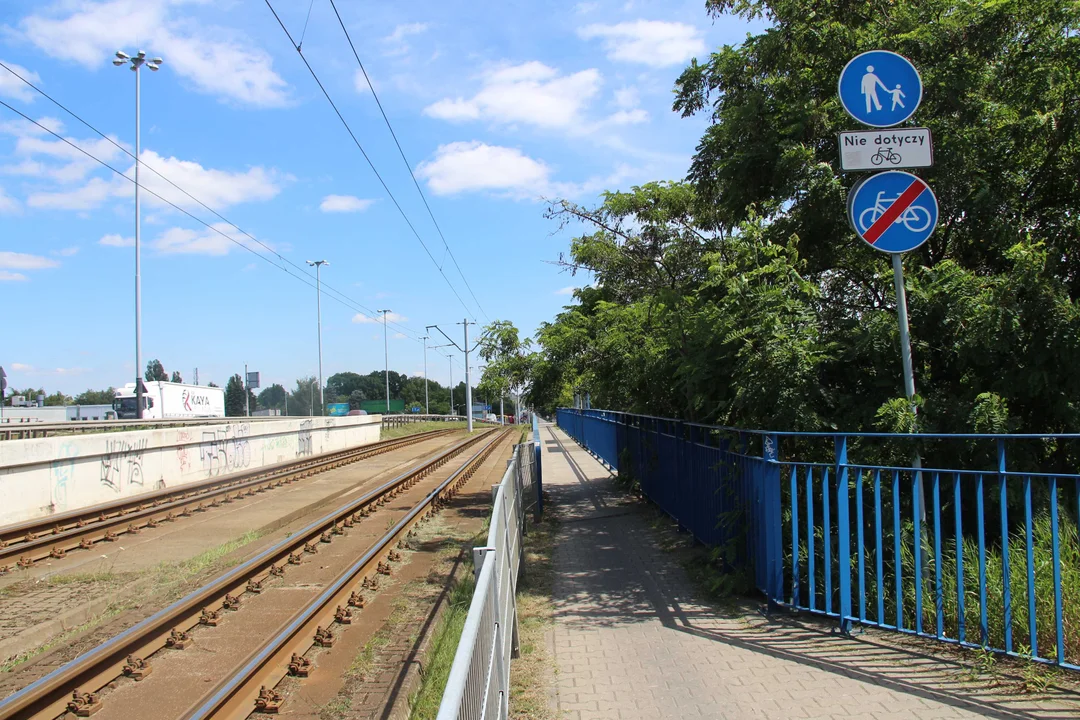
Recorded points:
(880,88)
(893,211)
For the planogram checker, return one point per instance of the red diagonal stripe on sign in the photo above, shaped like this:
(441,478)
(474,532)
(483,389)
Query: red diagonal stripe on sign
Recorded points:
(895,210)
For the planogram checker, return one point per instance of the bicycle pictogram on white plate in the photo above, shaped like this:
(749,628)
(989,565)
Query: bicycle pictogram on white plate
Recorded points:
(915,218)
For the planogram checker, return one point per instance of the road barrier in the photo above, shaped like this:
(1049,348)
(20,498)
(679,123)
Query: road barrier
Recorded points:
(479,684)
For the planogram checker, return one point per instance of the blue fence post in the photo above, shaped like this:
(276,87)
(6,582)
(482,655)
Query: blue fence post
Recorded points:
(771,519)
(843,531)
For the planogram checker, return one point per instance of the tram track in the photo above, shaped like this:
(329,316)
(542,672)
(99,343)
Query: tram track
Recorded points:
(71,687)
(24,545)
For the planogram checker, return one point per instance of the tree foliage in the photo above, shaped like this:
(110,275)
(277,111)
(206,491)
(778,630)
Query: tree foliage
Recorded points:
(741,296)
(155,371)
(234,396)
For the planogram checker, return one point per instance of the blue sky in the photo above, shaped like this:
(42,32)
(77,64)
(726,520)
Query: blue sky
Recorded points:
(497,106)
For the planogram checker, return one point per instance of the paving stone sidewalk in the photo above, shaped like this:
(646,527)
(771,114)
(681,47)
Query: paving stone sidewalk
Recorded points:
(631,642)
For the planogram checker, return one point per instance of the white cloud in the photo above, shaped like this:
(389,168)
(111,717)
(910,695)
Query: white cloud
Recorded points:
(215,60)
(399,336)
(584,8)
(65,252)
(21,367)
(566,290)
(219,189)
(361,319)
(114,240)
(183,241)
(648,42)
(62,162)
(6,276)
(628,117)
(531,93)
(344,203)
(396,41)
(8,204)
(23,261)
(404,30)
(13,87)
(627,98)
(464,166)
(87,197)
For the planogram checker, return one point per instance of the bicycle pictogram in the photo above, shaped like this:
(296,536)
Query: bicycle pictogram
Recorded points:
(915,218)
(886,155)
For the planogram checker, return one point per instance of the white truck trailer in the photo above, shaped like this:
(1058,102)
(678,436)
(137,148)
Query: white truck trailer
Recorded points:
(170,400)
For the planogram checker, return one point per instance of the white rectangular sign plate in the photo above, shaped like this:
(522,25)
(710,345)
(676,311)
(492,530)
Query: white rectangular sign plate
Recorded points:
(886,149)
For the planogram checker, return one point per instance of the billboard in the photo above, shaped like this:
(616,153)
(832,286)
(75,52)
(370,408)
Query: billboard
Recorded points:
(379,406)
(337,409)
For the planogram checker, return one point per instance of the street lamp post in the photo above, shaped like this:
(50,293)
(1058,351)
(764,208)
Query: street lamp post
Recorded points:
(427,409)
(386,358)
(154,64)
(318,305)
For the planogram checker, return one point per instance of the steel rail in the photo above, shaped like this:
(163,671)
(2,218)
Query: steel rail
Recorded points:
(52,537)
(250,689)
(82,677)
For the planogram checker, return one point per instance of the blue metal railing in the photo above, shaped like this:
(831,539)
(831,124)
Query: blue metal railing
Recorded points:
(983,558)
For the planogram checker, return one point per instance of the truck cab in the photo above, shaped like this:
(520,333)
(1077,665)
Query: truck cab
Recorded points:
(126,404)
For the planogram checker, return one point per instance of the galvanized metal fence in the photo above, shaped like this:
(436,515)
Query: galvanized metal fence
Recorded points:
(985,557)
(479,684)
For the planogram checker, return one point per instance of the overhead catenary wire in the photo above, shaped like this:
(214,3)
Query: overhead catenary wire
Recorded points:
(401,152)
(303,277)
(363,152)
(343,298)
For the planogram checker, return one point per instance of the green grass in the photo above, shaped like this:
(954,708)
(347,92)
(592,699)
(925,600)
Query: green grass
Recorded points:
(425,704)
(419,427)
(167,581)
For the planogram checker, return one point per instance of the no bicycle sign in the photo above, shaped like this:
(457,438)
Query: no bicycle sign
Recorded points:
(893,211)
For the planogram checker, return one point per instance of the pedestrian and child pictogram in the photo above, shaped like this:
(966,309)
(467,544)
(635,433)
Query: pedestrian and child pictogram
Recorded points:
(880,88)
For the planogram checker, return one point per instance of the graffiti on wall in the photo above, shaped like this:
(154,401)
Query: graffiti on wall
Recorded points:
(62,470)
(122,462)
(226,449)
(304,444)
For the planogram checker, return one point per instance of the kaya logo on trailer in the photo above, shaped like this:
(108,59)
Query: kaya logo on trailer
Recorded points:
(199,401)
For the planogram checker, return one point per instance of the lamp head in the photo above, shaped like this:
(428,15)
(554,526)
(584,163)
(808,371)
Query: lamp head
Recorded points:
(121,55)
(118,62)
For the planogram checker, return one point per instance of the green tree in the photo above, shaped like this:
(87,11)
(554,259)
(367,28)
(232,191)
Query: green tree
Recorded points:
(304,399)
(176,377)
(234,396)
(57,398)
(273,397)
(96,397)
(155,371)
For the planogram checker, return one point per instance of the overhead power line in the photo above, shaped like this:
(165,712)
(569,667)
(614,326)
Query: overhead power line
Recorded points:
(363,152)
(303,277)
(343,298)
(401,152)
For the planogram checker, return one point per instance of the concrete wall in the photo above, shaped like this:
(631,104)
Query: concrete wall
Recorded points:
(43,476)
